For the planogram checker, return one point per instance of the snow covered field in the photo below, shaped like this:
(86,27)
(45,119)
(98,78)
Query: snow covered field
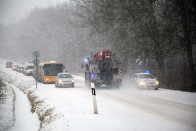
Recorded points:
(122,109)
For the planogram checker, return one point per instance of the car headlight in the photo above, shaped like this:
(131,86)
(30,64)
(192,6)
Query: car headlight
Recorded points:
(61,82)
(157,83)
(142,83)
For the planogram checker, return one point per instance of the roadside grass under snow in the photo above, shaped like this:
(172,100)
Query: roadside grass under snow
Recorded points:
(45,111)
(7,98)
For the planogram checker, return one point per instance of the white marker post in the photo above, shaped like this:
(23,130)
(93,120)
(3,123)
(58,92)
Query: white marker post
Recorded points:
(94,98)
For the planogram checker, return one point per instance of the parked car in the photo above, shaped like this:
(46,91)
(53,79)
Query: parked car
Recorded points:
(64,80)
(9,64)
(145,80)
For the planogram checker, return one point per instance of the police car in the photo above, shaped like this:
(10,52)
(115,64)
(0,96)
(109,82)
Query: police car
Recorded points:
(145,80)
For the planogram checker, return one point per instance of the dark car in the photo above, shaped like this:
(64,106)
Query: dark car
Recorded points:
(9,64)
(18,68)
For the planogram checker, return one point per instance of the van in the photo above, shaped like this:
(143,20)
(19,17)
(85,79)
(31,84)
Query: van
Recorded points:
(9,64)
(28,69)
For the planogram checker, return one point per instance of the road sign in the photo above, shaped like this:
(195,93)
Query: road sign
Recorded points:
(36,62)
(36,54)
(139,61)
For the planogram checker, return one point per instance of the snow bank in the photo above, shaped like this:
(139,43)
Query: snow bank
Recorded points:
(45,111)
(7,98)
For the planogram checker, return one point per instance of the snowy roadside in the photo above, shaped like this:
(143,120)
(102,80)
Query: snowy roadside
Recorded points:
(44,111)
(7,100)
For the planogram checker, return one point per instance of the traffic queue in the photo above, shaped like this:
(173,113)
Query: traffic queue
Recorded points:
(54,72)
(47,72)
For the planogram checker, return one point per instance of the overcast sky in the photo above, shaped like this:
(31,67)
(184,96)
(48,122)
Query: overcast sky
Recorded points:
(13,10)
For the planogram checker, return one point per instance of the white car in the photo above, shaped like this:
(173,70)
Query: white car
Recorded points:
(145,80)
(64,80)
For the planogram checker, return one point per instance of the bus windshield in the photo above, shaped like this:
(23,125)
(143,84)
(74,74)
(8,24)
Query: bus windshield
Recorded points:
(52,69)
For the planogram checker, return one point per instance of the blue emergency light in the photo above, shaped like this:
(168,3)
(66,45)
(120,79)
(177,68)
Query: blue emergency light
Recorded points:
(147,71)
(93,76)
(86,59)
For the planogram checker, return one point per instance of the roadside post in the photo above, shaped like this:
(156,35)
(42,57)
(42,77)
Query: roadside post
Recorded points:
(36,61)
(94,98)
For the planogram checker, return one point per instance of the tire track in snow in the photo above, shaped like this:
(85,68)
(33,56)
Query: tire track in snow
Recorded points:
(178,112)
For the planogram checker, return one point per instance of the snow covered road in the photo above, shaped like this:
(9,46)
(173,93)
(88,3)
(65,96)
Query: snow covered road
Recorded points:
(151,110)
(123,109)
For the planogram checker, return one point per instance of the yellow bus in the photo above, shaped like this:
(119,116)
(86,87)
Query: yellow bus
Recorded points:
(47,71)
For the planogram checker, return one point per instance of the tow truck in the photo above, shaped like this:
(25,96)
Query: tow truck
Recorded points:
(103,69)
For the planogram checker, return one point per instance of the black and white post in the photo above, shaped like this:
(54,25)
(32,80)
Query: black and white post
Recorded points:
(94,98)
